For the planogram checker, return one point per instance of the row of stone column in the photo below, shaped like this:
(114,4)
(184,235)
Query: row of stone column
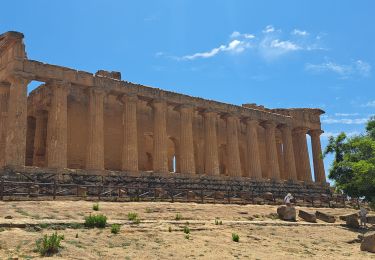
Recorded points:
(284,160)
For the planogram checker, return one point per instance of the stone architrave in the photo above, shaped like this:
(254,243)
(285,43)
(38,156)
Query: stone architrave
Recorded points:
(272,158)
(160,153)
(319,172)
(211,162)
(129,159)
(95,140)
(187,161)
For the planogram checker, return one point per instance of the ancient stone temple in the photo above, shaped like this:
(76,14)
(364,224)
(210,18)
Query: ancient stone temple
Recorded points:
(97,122)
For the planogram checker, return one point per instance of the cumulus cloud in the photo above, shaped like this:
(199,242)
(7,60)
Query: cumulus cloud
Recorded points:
(326,135)
(369,104)
(300,32)
(269,44)
(357,67)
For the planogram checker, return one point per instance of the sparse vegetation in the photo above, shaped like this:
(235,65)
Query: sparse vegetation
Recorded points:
(98,221)
(49,245)
(235,237)
(186,230)
(178,216)
(132,216)
(95,207)
(148,210)
(115,228)
(187,236)
(170,229)
(218,221)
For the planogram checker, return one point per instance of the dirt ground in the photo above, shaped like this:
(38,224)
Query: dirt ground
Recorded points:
(160,236)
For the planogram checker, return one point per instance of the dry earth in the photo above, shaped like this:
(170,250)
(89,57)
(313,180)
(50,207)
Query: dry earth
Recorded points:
(261,235)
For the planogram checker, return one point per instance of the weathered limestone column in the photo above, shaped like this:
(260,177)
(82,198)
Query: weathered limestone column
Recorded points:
(129,160)
(280,159)
(160,153)
(254,168)
(273,165)
(4,96)
(211,162)
(40,138)
(15,142)
(57,130)
(233,150)
(302,154)
(187,161)
(289,161)
(95,140)
(319,172)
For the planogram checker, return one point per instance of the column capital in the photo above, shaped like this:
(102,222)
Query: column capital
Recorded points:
(315,132)
(251,121)
(185,107)
(19,78)
(127,98)
(283,127)
(300,130)
(209,112)
(269,124)
(231,115)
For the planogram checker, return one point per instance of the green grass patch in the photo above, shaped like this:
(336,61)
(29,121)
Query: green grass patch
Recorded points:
(49,245)
(235,237)
(115,228)
(95,207)
(98,221)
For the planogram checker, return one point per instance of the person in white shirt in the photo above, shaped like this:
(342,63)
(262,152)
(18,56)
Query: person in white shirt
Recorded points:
(363,216)
(287,199)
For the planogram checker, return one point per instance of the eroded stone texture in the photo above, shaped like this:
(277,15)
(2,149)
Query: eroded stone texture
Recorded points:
(79,120)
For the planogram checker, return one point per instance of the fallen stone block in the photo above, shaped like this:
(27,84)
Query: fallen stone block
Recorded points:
(371,219)
(287,213)
(368,243)
(325,217)
(309,217)
(345,217)
(352,221)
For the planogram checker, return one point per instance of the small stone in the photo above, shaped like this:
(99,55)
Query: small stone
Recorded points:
(306,216)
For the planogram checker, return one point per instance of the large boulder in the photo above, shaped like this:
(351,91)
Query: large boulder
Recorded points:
(325,217)
(368,242)
(309,217)
(352,221)
(287,213)
(345,217)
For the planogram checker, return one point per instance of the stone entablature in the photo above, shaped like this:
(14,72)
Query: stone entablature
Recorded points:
(96,122)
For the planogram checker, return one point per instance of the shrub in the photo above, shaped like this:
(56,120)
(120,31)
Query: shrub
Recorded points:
(49,245)
(115,228)
(178,216)
(218,222)
(186,230)
(132,216)
(187,236)
(95,221)
(95,206)
(235,237)
(170,229)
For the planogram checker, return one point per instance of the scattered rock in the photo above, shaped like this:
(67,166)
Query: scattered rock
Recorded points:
(8,217)
(344,217)
(371,219)
(268,196)
(352,221)
(306,216)
(325,217)
(287,213)
(243,212)
(368,243)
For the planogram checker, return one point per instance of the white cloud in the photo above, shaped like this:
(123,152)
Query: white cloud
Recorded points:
(285,45)
(326,135)
(300,32)
(346,121)
(234,46)
(358,67)
(237,34)
(346,114)
(269,29)
(369,104)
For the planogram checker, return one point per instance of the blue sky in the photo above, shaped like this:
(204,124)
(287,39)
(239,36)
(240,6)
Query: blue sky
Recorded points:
(274,53)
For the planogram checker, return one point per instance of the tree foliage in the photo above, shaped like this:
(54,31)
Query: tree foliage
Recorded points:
(353,168)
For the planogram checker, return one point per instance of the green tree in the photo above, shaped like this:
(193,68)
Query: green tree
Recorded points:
(353,168)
